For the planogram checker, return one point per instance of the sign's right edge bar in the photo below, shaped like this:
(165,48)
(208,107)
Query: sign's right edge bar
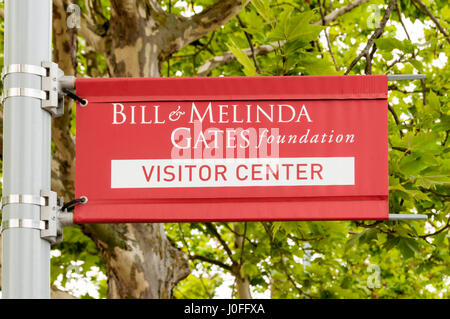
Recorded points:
(407,217)
(399,77)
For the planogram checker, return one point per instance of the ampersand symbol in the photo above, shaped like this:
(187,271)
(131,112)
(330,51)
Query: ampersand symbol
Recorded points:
(175,115)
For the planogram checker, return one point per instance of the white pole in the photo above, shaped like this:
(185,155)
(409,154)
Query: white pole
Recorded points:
(26,150)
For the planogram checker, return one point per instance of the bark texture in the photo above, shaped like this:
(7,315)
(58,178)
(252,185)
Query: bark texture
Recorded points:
(242,280)
(140,261)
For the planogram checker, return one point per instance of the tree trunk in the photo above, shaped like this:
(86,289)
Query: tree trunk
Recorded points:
(242,280)
(0,262)
(243,287)
(140,261)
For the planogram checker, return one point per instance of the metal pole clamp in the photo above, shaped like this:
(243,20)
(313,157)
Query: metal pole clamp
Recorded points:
(50,93)
(51,218)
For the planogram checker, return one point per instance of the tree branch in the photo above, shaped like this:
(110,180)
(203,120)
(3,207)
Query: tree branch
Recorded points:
(378,32)
(338,12)
(326,35)
(446,137)
(211,261)
(434,192)
(374,224)
(228,57)
(438,231)
(369,57)
(213,17)
(56,293)
(396,119)
(182,31)
(394,87)
(121,7)
(95,12)
(265,49)
(290,279)
(241,240)
(250,43)
(87,32)
(214,231)
(404,150)
(424,91)
(394,115)
(397,7)
(432,17)
(154,5)
(285,270)
(237,234)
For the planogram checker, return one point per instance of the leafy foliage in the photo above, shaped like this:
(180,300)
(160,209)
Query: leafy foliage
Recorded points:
(334,259)
(322,259)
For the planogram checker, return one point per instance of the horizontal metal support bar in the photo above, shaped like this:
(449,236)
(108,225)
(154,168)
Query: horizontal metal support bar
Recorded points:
(67,82)
(400,77)
(66,219)
(407,217)
(22,223)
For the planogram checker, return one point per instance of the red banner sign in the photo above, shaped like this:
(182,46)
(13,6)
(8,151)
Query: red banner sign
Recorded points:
(222,149)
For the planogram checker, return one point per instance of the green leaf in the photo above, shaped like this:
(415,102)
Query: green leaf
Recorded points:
(291,26)
(422,141)
(408,247)
(249,68)
(391,242)
(389,44)
(428,181)
(439,238)
(250,269)
(417,64)
(352,241)
(418,195)
(433,101)
(368,235)
(394,184)
(252,22)
(263,8)
(276,227)
(411,165)
(314,66)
